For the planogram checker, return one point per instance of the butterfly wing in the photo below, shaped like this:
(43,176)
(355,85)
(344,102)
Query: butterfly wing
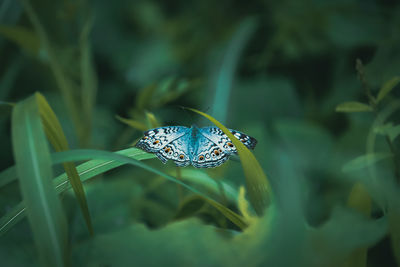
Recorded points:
(177,150)
(207,154)
(156,139)
(222,140)
(168,143)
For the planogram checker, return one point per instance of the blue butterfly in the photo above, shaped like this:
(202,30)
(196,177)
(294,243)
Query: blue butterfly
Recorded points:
(206,147)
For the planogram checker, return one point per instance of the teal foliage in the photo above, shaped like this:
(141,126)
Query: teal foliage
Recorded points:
(315,82)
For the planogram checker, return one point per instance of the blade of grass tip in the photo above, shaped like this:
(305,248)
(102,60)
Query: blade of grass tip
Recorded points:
(224,77)
(132,123)
(58,140)
(33,162)
(61,183)
(257,184)
(88,77)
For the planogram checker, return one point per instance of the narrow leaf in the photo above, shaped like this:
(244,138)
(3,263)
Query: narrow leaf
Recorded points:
(365,161)
(224,76)
(106,161)
(133,123)
(23,37)
(257,184)
(387,87)
(57,138)
(61,183)
(353,107)
(32,157)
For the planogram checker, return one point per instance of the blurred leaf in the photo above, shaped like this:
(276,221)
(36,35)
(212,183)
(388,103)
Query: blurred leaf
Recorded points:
(388,129)
(32,157)
(188,207)
(359,200)
(152,121)
(353,107)
(365,161)
(260,193)
(23,37)
(387,87)
(224,76)
(243,206)
(203,179)
(88,74)
(57,138)
(342,237)
(64,83)
(133,123)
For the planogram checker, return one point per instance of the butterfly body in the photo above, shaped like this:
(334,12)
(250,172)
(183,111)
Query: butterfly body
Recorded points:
(206,147)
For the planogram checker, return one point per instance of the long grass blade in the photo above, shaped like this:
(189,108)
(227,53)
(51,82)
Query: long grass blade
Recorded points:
(33,162)
(61,183)
(224,77)
(257,184)
(97,166)
(57,138)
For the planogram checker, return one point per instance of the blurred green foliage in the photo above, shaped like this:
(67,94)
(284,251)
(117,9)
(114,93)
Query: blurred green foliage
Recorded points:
(316,82)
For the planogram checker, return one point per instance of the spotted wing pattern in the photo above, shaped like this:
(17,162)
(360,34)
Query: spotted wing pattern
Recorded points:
(177,150)
(222,140)
(156,139)
(207,154)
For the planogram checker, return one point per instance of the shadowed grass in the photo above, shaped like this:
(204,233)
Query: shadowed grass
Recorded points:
(33,163)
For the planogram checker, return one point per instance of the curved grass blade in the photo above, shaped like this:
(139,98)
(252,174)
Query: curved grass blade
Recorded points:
(83,154)
(57,138)
(257,184)
(108,161)
(33,163)
(61,183)
(224,77)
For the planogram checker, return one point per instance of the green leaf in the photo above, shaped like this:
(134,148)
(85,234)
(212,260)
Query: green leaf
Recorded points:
(353,107)
(388,129)
(57,138)
(33,162)
(88,76)
(23,37)
(387,87)
(365,161)
(257,184)
(61,183)
(109,161)
(83,154)
(224,76)
(133,123)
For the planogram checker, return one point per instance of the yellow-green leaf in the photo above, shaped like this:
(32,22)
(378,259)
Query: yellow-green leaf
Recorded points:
(23,37)
(257,184)
(365,161)
(387,87)
(353,106)
(58,140)
(133,123)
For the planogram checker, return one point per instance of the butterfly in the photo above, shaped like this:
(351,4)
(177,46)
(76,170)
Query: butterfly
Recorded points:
(206,147)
